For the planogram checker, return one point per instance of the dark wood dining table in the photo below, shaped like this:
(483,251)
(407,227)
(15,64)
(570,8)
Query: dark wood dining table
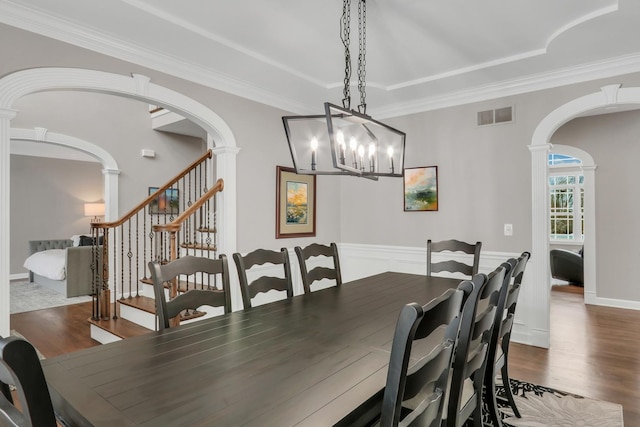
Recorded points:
(318,359)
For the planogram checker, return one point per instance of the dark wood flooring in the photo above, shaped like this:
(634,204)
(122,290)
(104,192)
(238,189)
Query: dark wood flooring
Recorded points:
(595,351)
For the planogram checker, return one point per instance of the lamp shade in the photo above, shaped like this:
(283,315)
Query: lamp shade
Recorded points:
(94,209)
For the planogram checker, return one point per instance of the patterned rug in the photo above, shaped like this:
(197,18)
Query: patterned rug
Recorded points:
(28,296)
(546,407)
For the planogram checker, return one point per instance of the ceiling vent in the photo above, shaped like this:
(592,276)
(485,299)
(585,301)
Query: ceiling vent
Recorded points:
(497,116)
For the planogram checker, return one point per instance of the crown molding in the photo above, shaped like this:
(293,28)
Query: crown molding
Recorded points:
(567,76)
(70,32)
(35,21)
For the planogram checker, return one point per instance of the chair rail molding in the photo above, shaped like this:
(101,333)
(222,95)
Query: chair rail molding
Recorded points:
(20,83)
(608,96)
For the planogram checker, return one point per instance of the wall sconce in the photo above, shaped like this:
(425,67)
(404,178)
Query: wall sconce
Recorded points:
(95,210)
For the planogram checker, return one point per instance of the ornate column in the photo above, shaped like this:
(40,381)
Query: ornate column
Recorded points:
(537,302)
(226,214)
(5,177)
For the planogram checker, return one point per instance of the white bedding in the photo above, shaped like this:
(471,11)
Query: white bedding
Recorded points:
(50,264)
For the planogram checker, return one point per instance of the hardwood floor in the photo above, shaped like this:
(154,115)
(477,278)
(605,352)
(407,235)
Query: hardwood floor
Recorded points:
(594,353)
(594,350)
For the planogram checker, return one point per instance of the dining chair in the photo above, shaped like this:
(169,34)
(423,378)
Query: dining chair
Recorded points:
(428,377)
(208,293)
(453,266)
(498,356)
(319,272)
(264,283)
(470,358)
(21,368)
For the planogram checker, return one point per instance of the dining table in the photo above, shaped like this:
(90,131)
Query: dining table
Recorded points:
(317,359)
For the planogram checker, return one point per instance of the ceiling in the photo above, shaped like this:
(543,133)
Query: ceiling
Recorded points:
(421,55)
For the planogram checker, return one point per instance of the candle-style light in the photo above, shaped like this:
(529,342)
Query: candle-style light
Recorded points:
(314,148)
(353,144)
(372,152)
(390,153)
(342,145)
(361,155)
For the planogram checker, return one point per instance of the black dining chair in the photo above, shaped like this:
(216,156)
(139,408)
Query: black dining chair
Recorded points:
(499,354)
(21,368)
(318,272)
(428,377)
(207,289)
(263,284)
(453,266)
(470,359)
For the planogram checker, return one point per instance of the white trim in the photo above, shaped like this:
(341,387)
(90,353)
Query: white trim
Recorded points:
(19,276)
(611,302)
(608,96)
(20,83)
(109,163)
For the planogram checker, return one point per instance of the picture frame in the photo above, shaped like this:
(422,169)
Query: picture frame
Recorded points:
(165,204)
(295,204)
(420,189)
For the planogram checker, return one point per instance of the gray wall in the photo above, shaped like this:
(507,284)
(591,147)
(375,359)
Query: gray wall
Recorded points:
(47,201)
(612,141)
(484,173)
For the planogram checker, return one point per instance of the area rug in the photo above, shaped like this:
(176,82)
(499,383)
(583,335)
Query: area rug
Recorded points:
(546,407)
(29,296)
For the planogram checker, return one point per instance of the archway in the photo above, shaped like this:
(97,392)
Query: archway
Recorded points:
(110,168)
(220,139)
(608,97)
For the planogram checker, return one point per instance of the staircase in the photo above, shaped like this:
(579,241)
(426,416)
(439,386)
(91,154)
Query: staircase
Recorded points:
(177,219)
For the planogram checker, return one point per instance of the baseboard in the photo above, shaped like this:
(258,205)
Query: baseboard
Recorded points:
(592,299)
(19,276)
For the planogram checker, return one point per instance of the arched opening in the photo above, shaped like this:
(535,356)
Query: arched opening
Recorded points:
(220,139)
(608,98)
(110,167)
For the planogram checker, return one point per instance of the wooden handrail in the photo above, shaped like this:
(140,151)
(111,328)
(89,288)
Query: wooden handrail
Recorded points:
(151,197)
(177,223)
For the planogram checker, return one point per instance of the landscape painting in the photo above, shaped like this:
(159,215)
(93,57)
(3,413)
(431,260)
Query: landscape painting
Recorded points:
(421,189)
(167,203)
(295,204)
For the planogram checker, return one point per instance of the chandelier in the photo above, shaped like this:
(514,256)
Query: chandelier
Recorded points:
(343,141)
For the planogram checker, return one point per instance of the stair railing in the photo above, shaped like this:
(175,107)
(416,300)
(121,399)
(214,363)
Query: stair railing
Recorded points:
(195,221)
(127,245)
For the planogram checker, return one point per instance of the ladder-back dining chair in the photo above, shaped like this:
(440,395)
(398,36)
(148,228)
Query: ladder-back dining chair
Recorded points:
(319,272)
(207,289)
(453,266)
(250,289)
(428,377)
(498,359)
(470,359)
(21,368)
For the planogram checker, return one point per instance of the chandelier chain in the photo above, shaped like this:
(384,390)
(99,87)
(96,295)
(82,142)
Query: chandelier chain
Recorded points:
(345,33)
(362,50)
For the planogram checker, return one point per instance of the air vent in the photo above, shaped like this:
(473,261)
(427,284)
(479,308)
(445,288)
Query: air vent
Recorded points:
(499,115)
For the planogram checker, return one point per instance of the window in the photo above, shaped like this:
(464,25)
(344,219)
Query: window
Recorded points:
(566,199)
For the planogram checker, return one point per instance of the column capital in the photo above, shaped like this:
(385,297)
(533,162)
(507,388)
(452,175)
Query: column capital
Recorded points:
(225,150)
(7,113)
(540,147)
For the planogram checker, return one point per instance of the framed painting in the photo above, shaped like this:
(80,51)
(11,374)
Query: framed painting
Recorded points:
(295,204)
(421,189)
(167,203)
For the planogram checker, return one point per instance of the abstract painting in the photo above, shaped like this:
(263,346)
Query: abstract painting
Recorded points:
(421,189)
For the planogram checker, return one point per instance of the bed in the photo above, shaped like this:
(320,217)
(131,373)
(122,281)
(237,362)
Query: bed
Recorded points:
(72,266)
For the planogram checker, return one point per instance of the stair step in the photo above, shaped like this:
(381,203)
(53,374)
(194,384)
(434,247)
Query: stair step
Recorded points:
(207,230)
(120,327)
(142,303)
(149,305)
(200,246)
(183,285)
